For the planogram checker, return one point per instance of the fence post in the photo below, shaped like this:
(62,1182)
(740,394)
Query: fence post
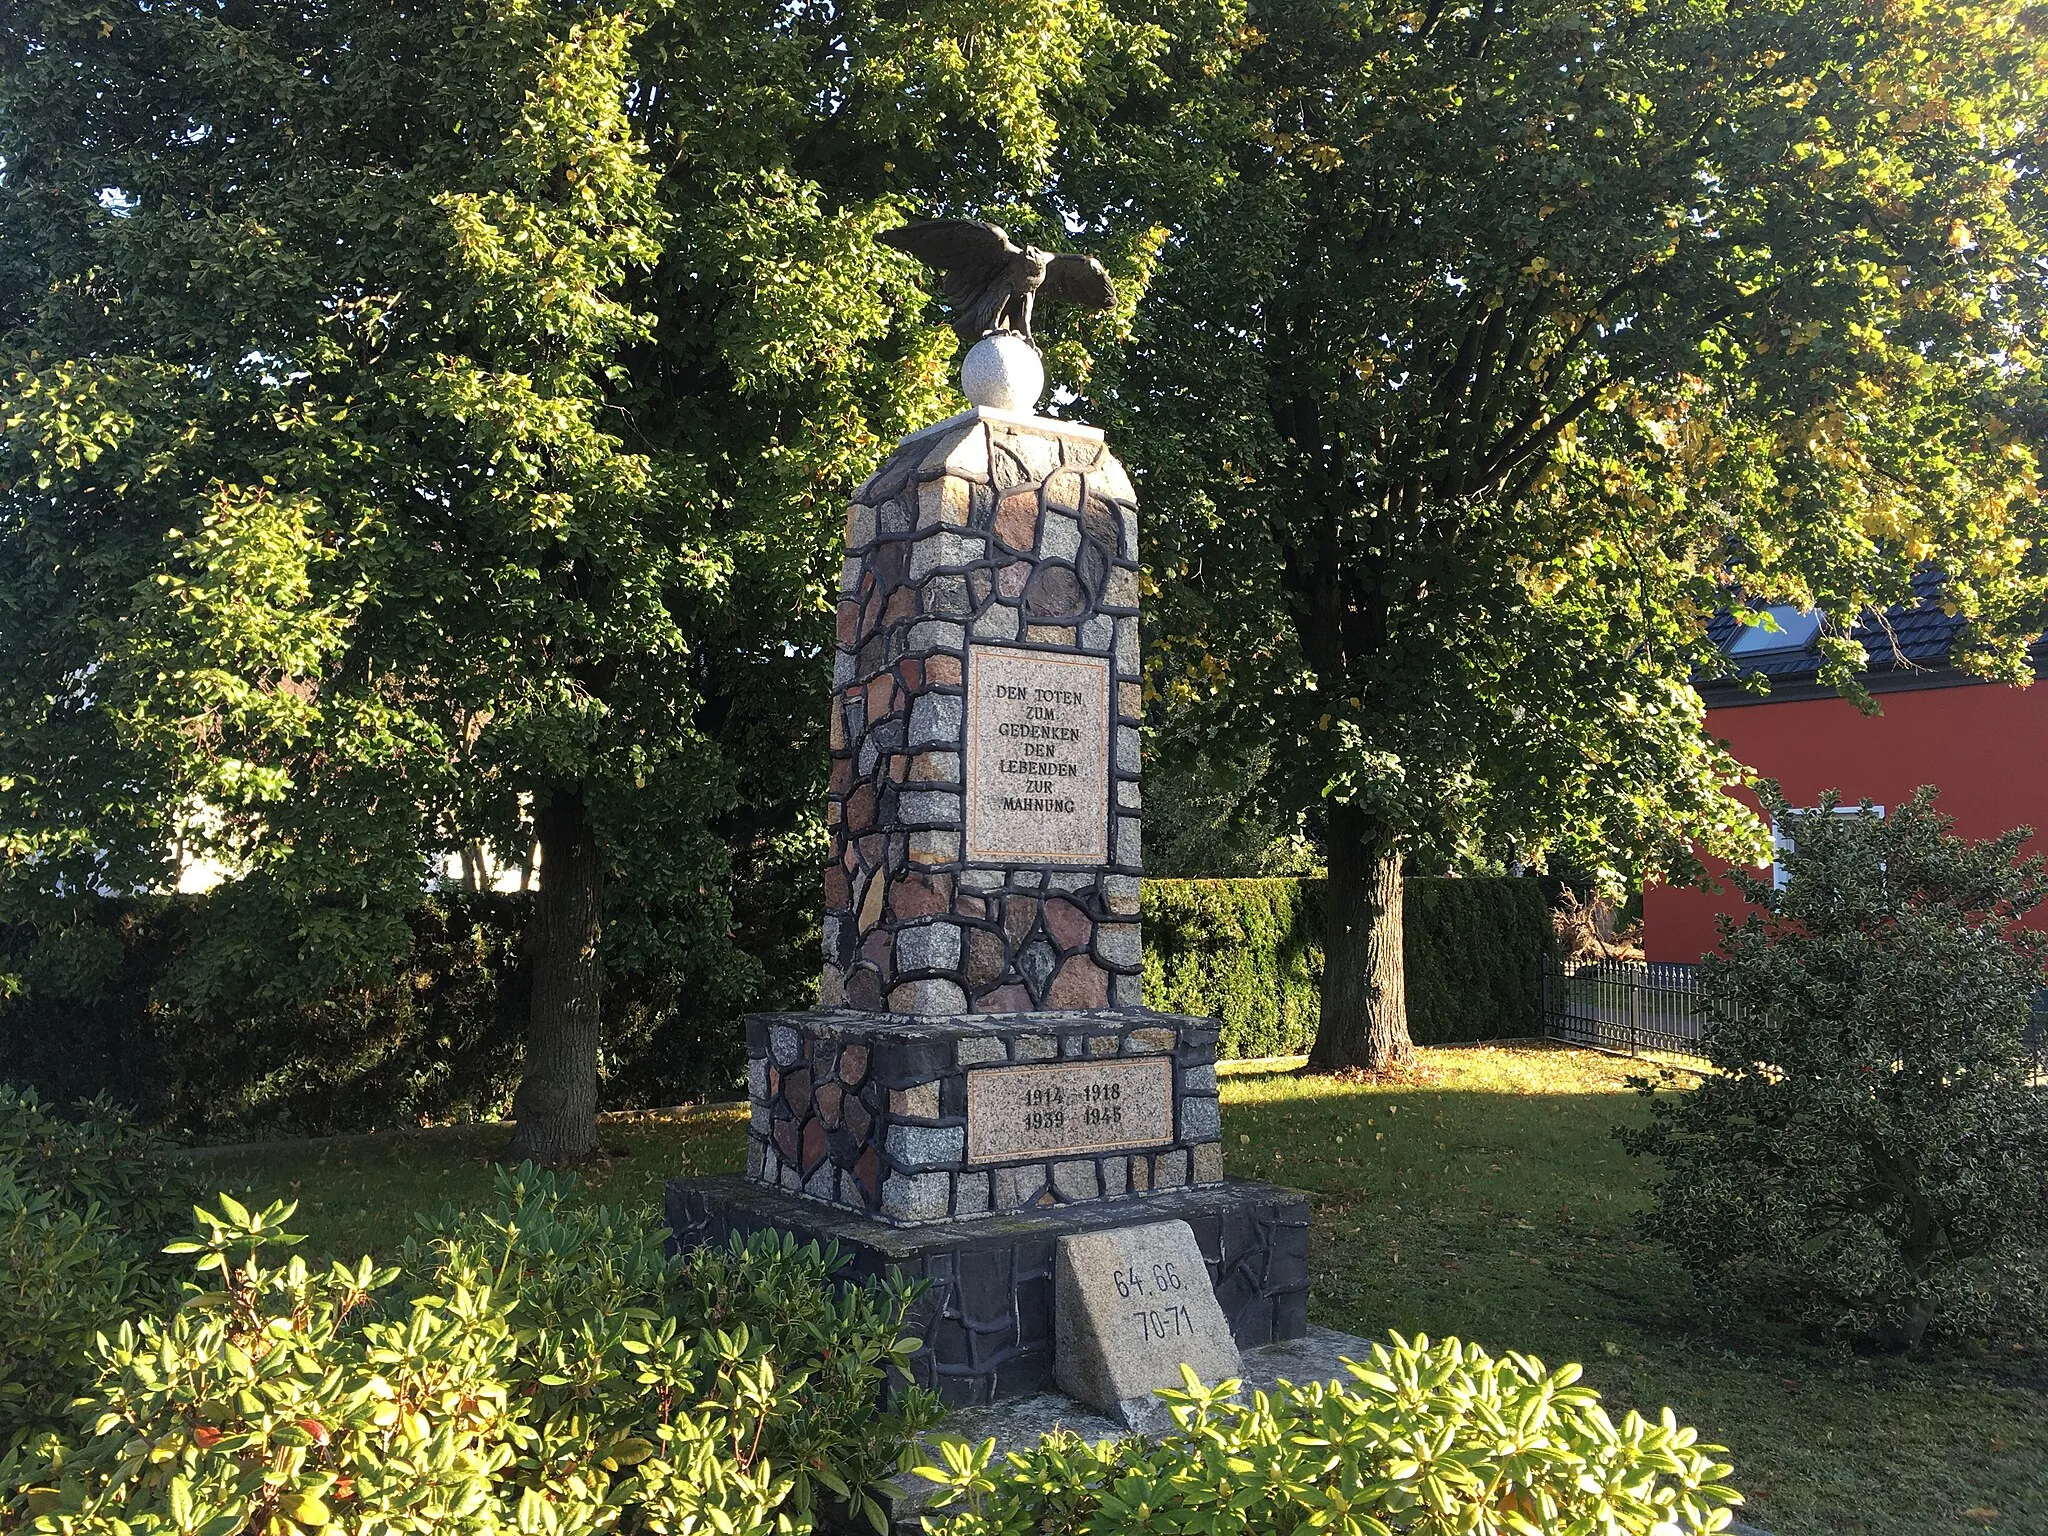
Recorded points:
(1635,1009)
(1543,996)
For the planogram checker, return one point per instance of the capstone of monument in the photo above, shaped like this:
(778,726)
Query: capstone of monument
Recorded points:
(982,1079)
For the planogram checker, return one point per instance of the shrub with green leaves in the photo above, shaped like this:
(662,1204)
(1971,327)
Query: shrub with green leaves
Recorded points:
(1426,1440)
(576,1267)
(95,1157)
(85,1205)
(1867,1158)
(542,1367)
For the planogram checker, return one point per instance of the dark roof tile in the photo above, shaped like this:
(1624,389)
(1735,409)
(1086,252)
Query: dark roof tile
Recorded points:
(1907,635)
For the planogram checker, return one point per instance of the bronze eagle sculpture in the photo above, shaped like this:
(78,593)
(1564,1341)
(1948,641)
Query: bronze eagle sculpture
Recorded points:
(992,282)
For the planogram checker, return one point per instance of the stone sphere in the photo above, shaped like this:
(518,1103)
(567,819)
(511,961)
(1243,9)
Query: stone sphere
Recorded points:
(1003,373)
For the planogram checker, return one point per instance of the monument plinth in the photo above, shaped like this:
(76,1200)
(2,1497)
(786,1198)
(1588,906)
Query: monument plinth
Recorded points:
(983,1079)
(916,1120)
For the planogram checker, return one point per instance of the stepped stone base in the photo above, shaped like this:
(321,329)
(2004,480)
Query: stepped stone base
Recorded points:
(987,1319)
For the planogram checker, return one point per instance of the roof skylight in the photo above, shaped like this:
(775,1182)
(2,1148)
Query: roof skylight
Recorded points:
(1788,629)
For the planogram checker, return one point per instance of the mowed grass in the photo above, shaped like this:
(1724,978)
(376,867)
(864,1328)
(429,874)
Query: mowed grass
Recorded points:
(1485,1198)
(1490,1200)
(360,1194)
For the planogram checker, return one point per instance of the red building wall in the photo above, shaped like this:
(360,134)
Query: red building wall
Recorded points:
(1985,746)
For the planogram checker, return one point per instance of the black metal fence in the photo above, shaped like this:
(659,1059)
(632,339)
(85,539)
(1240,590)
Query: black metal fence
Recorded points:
(1625,1005)
(1631,1007)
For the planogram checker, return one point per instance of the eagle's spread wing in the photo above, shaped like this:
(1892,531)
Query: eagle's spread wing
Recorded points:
(1078,280)
(971,253)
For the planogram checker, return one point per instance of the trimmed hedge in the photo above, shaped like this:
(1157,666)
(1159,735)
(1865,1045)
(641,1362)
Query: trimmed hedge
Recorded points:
(1474,950)
(444,1039)
(1250,952)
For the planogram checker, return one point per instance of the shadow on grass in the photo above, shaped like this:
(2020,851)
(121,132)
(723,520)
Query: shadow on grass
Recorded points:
(1489,1200)
(358,1194)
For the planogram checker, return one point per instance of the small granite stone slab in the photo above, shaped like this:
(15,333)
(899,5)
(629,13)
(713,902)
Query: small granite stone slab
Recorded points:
(1082,1106)
(1131,1307)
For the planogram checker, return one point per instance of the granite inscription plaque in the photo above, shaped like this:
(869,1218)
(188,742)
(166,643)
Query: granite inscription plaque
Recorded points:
(1037,756)
(1075,1106)
(1131,1306)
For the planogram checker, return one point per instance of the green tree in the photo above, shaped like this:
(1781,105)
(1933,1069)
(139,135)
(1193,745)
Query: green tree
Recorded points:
(790,352)
(425,425)
(1509,341)
(320,553)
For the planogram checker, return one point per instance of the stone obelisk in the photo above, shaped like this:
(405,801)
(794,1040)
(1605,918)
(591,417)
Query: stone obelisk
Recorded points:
(982,1077)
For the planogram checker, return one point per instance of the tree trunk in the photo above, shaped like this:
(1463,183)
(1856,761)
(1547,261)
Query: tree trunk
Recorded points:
(556,1106)
(1365,996)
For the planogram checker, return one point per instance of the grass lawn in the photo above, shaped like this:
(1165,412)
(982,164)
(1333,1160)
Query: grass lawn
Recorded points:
(1488,1200)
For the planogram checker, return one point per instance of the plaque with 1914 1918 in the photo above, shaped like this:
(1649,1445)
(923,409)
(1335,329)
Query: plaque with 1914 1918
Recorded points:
(1068,1108)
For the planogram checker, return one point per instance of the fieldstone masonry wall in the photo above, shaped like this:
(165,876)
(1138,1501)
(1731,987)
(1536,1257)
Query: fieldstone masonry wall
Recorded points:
(872,1113)
(1007,544)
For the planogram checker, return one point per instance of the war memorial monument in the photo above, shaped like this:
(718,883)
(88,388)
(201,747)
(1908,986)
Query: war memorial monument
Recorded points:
(982,1100)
